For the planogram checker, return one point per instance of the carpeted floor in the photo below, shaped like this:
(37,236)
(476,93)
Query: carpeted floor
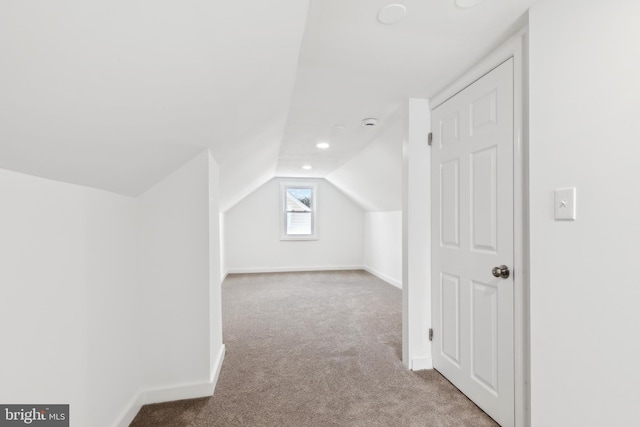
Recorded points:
(316,349)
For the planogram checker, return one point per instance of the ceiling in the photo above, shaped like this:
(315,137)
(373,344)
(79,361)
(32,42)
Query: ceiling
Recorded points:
(117,94)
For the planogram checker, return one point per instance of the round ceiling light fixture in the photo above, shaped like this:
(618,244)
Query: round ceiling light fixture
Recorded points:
(467,4)
(392,14)
(370,122)
(323,145)
(307,167)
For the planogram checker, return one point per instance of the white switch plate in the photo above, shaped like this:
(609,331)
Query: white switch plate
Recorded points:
(565,203)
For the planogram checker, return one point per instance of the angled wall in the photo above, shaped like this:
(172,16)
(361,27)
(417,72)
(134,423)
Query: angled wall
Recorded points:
(179,277)
(373,178)
(109,302)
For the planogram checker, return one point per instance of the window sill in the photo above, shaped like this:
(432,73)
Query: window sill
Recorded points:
(298,238)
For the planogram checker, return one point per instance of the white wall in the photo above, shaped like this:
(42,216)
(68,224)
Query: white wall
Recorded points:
(416,236)
(585,275)
(253,233)
(109,302)
(180,281)
(383,245)
(223,247)
(216,257)
(68,307)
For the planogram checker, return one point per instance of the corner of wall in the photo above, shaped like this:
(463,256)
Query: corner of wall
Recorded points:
(130,411)
(180,271)
(421,363)
(416,233)
(184,391)
(382,276)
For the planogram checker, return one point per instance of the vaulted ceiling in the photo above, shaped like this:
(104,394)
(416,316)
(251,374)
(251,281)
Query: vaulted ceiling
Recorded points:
(117,94)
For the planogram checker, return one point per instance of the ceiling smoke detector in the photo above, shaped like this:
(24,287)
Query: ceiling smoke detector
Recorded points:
(392,14)
(369,123)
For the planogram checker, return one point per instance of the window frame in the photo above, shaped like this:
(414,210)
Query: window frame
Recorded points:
(284,186)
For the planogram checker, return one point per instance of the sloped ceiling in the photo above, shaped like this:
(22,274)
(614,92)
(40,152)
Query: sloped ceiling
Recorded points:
(354,67)
(373,178)
(117,94)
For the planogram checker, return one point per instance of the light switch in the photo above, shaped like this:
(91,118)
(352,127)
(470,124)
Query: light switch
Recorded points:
(565,203)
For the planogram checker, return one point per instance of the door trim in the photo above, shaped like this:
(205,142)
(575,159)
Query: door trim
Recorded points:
(516,48)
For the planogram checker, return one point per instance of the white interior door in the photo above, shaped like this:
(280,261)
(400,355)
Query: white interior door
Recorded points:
(472,213)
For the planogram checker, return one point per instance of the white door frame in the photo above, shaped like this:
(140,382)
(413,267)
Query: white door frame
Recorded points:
(516,48)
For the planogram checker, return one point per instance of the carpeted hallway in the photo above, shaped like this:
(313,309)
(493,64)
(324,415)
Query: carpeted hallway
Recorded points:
(316,349)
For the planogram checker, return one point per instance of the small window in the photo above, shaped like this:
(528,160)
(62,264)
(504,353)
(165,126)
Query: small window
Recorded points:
(298,208)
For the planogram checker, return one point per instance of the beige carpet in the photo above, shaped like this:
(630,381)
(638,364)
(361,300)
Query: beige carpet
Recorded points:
(316,349)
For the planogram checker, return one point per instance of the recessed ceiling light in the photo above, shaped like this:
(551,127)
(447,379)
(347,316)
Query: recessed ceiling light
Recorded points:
(466,4)
(323,145)
(392,14)
(370,122)
(306,167)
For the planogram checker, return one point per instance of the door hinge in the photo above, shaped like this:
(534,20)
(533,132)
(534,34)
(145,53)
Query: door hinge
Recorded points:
(430,138)
(430,334)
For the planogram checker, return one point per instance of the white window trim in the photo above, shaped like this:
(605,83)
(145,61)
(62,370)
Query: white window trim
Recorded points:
(283,211)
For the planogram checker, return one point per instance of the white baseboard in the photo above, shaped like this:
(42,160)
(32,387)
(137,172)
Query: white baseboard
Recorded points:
(130,412)
(217,366)
(422,363)
(186,391)
(384,277)
(178,392)
(224,276)
(293,269)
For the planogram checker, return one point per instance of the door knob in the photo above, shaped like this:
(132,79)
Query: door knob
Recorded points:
(502,271)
